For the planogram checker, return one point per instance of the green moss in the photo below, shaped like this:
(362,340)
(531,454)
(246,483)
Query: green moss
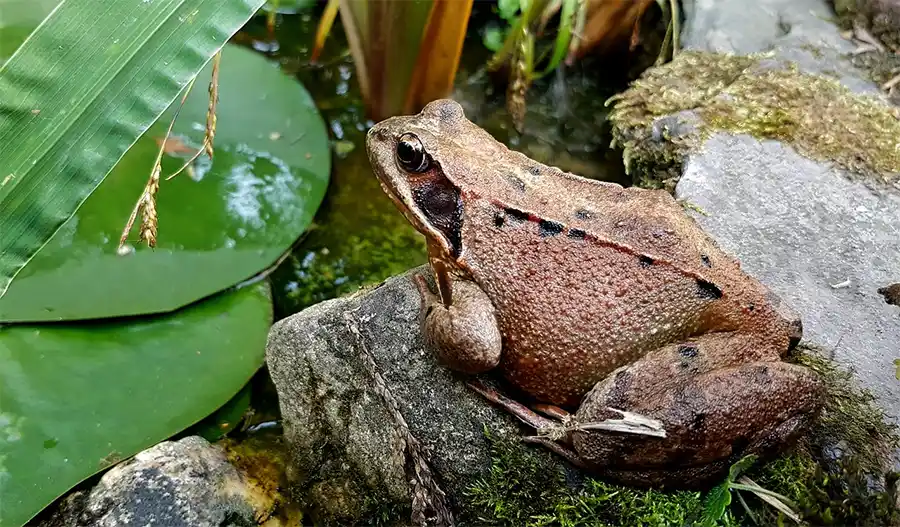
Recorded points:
(526,487)
(818,116)
(850,416)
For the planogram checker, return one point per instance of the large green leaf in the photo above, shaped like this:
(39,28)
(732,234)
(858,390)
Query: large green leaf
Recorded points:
(75,398)
(78,93)
(231,219)
(18,18)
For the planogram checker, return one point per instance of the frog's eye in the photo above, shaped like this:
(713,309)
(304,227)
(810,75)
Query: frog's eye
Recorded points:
(411,154)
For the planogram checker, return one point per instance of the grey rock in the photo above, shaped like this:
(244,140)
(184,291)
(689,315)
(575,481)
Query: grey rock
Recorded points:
(801,226)
(800,31)
(373,421)
(185,483)
(804,228)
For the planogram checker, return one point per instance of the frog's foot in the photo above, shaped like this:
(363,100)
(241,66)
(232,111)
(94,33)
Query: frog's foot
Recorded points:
(547,429)
(515,408)
(552,411)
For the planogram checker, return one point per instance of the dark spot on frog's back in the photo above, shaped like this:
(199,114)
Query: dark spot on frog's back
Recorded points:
(549,228)
(499,219)
(584,214)
(516,182)
(708,290)
(688,351)
(705,260)
(577,234)
(516,214)
(645,261)
(534,170)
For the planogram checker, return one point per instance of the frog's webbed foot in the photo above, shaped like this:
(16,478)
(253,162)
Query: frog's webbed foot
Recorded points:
(550,431)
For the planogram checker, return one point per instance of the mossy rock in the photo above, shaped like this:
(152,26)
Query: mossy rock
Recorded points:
(673,108)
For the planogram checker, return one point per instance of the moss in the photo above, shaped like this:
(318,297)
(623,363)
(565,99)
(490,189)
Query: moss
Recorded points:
(841,496)
(525,487)
(261,459)
(850,420)
(752,94)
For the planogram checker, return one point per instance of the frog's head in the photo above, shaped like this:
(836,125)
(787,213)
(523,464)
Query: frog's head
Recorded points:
(422,162)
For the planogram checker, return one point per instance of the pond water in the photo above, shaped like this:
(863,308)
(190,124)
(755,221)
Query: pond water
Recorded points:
(359,237)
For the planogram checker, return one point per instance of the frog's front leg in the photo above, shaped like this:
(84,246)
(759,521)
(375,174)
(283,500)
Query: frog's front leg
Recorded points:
(464,334)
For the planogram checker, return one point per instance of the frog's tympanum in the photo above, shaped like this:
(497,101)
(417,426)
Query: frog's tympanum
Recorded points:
(590,296)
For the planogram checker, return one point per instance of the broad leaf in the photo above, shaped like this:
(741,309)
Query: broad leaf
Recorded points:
(76,398)
(232,218)
(18,18)
(717,501)
(78,93)
(741,466)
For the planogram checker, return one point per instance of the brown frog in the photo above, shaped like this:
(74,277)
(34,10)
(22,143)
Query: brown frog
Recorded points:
(590,295)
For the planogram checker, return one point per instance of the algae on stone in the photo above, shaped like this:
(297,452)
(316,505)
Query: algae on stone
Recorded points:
(672,108)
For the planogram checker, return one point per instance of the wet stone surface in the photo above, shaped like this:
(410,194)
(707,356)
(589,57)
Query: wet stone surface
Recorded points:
(187,483)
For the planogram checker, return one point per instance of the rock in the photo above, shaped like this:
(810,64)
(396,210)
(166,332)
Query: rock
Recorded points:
(795,30)
(813,223)
(187,483)
(372,420)
(823,242)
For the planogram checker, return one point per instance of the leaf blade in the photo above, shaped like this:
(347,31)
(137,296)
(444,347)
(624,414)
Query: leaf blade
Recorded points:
(63,128)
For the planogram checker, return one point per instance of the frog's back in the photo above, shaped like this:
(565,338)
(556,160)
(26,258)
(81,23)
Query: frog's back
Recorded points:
(588,276)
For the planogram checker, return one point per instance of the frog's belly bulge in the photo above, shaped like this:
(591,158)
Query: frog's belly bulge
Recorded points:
(572,312)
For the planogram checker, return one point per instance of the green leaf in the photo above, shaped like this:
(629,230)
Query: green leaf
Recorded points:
(289,7)
(493,38)
(226,418)
(76,398)
(741,466)
(78,93)
(717,501)
(233,218)
(561,45)
(18,18)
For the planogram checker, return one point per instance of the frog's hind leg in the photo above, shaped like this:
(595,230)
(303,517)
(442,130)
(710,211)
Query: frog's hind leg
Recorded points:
(719,397)
(517,409)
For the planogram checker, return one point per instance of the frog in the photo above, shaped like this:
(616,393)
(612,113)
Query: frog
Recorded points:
(587,298)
